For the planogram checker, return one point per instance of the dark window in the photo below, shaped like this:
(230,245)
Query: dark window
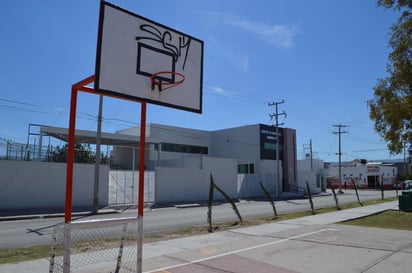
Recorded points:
(246,168)
(180,148)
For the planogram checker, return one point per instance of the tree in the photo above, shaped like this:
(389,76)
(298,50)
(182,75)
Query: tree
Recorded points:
(82,154)
(391,107)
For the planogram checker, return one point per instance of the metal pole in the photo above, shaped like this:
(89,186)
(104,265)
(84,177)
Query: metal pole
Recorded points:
(133,170)
(70,148)
(278,186)
(141,189)
(124,186)
(404,157)
(97,163)
(340,132)
(311,156)
(277,153)
(39,152)
(340,164)
(7,149)
(70,156)
(142,160)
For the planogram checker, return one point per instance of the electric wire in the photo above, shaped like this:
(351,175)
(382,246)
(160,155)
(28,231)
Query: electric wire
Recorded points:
(306,118)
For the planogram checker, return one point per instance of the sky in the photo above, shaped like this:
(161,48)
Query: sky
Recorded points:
(321,57)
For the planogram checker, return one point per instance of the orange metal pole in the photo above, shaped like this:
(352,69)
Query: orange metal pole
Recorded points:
(141,160)
(70,156)
(70,149)
(87,90)
(81,86)
(84,82)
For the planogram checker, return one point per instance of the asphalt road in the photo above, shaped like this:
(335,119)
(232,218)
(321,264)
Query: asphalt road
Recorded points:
(24,233)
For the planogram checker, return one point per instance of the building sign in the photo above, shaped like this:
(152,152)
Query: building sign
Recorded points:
(372,169)
(269,142)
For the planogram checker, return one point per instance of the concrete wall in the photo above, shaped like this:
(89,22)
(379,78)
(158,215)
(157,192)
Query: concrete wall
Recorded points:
(181,185)
(311,171)
(248,185)
(311,178)
(241,143)
(224,173)
(179,160)
(289,157)
(192,185)
(268,170)
(42,185)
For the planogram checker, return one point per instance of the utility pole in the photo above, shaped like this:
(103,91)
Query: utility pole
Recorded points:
(339,133)
(309,154)
(404,158)
(95,207)
(276,115)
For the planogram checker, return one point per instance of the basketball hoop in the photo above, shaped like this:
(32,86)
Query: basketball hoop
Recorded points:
(166,79)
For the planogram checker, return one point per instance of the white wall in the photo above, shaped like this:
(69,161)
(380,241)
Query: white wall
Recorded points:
(242,143)
(314,165)
(180,160)
(180,185)
(224,173)
(192,185)
(268,171)
(311,171)
(31,185)
(249,186)
(310,177)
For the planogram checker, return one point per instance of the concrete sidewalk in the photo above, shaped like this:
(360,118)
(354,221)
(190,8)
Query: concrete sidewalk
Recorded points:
(308,244)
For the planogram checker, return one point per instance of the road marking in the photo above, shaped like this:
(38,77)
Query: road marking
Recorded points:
(164,269)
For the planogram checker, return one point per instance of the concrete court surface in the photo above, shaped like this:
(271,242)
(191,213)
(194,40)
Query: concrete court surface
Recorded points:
(309,244)
(334,248)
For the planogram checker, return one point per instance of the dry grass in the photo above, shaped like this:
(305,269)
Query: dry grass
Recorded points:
(392,219)
(24,254)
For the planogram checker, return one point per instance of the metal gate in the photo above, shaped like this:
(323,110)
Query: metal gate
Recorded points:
(123,187)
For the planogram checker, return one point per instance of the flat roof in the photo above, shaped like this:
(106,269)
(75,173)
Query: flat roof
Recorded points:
(90,137)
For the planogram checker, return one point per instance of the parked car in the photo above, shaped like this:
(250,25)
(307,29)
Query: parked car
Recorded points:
(408,185)
(398,185)
(403,185)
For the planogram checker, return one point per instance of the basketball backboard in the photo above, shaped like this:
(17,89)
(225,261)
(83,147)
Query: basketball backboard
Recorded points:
(131,48)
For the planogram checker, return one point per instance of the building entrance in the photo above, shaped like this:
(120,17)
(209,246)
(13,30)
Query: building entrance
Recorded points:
(373,181)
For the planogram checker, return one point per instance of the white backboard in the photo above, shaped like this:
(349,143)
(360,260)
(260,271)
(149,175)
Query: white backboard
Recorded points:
(131,48)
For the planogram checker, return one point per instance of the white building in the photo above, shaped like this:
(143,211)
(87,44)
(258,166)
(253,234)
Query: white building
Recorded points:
(249,151)
(367,175)
(179,161)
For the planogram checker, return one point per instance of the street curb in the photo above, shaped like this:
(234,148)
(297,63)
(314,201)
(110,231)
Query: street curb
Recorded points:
(55,215)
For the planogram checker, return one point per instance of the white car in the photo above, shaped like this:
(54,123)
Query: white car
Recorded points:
(398,185)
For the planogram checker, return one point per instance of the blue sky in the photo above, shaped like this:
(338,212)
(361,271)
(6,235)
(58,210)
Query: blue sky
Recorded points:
(321,57)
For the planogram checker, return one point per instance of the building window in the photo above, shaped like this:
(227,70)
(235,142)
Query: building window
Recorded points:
(246,168)
(180,148)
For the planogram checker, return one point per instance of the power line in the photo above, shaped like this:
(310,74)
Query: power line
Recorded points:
(308,118)
(20,102)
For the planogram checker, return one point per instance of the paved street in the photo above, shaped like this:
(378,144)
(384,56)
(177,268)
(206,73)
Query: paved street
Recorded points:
(29,232)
